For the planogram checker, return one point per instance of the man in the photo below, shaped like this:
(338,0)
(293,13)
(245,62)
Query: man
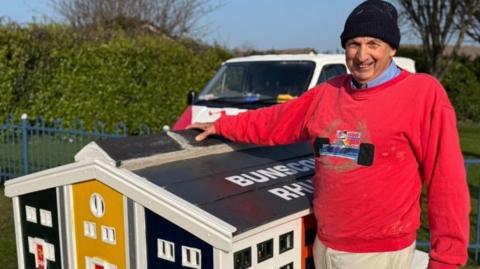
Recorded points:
(378,135)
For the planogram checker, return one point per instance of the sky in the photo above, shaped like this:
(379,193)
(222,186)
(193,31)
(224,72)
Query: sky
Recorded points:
(254,24)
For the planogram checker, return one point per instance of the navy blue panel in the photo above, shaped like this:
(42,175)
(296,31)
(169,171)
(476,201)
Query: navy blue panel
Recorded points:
(46,200)
(160,228)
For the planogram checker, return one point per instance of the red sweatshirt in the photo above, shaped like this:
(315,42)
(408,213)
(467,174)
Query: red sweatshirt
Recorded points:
(374,149)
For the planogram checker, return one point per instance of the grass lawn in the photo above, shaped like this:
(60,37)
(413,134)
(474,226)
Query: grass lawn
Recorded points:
(470,143)
(40,152)
(469,140)
(8,256)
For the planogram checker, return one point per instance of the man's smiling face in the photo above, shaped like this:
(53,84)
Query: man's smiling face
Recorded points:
(367,57)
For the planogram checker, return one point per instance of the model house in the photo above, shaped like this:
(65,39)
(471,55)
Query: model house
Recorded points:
(166,201)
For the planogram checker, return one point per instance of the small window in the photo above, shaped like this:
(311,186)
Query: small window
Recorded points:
(191,257)
(285,242)
(34,244)
(310,236)
(31,214)
(108,235)
(49,252)
(90,229)
(309,264)
(265,250)
(287,266)
(96,263)
(330,71)
(242,259)
(46,218)
(31,245)
(166,250)
(97,205)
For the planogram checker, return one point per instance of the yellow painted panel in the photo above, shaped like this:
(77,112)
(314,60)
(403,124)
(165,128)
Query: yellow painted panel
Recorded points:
(113,217)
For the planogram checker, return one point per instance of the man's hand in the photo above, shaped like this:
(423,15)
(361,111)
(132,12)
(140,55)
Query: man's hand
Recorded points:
(208,129)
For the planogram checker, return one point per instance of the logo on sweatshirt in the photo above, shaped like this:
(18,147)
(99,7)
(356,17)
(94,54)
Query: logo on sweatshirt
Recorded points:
(346,144)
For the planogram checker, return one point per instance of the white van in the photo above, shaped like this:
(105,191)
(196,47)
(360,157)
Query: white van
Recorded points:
(262,80)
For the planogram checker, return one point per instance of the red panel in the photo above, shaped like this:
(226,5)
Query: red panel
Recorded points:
(40,257)
(184,120)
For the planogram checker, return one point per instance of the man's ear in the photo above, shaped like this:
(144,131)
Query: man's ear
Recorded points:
(393,52)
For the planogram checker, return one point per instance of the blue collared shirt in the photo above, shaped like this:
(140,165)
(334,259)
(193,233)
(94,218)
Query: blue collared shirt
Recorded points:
(391,72)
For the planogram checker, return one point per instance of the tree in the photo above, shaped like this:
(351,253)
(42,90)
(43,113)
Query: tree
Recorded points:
(439,23)
(474,31)
(172,17)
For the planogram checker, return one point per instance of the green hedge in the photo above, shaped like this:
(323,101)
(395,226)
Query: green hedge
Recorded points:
(463,88)
(58,72)
(115,76)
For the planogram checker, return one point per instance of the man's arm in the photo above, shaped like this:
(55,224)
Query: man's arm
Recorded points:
(447,191)
(278,124)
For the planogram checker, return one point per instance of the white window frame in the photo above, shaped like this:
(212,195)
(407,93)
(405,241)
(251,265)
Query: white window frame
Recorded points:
(165,250)
(49,251)
(31,244)
(191,263)
(46,218)
(264,246)
(289,237)
(288,265)
(97,205)
(31,214)
(108,235)
(243,252)
(90,229)
(90,263)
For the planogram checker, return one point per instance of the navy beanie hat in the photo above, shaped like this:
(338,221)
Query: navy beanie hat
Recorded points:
(374,18)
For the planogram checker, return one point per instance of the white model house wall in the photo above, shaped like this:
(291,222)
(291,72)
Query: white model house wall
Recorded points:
(263,234)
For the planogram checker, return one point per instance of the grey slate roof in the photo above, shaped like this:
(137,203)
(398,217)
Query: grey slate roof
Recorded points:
(201,180)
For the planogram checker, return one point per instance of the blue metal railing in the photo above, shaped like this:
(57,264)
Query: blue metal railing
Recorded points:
(30,146)
(475,246)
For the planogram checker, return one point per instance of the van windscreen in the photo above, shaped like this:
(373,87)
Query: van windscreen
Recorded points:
(257,81)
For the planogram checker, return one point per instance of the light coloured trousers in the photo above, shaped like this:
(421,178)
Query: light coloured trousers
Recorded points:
(327,258)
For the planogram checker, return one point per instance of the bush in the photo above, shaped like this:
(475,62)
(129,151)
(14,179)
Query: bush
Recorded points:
(463,88)
(55,71)
(462,82)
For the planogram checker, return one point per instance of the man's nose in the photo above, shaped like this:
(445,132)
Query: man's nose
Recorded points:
(362,54)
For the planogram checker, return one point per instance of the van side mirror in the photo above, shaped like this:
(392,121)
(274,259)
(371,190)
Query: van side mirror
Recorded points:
(191,97)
